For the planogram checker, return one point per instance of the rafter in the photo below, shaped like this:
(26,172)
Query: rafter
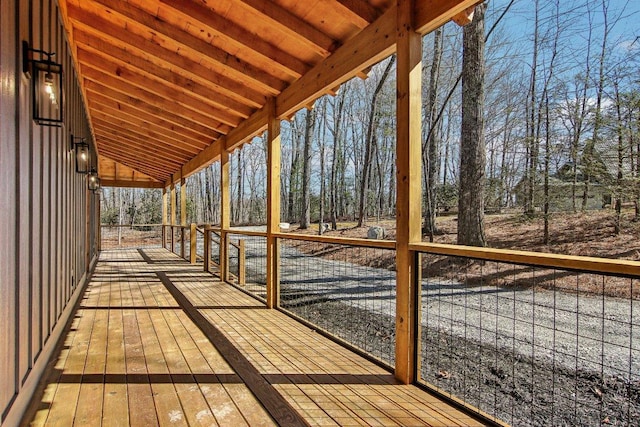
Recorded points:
(224,63)
(361,10)
(96,24)
(148,129)
(135,106)
(220,102)
(152,123)
(237,35)
(119,85)
(111,139)
(127,137)
(292,25)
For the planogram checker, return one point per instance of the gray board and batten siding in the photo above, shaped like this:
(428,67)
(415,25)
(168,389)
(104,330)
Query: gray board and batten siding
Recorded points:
(48,234)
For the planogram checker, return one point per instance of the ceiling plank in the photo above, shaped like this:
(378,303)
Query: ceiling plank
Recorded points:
(207,94)
(231,66)
(96,24)
(237,35)
(293,26)
(137,160)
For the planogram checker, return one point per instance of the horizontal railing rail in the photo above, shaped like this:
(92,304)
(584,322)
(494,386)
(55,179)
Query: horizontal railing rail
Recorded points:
(369,243)
(541,259)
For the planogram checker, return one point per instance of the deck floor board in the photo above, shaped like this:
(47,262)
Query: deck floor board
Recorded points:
(136,354)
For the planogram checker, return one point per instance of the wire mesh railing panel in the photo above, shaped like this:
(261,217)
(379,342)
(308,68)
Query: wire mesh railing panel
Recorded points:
(215,249)
(255,263)
(177,232)
(131,236)
(348,291)
(532,346)
(233,253)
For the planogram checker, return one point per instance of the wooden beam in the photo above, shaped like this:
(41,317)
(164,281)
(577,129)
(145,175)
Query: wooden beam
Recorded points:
(128,159)
(222,62)
(361,11)
(110,135)
(164,91)
(209,95)
(409,192)
(237,36)
(273,205)
(119,36)
(431,14)
(131,184)
(285,21)
(144,110)
(369,47)
(464,18)
(168,132)
(164,101)
(146,130)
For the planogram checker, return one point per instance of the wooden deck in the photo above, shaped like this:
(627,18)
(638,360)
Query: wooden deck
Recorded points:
(156,341)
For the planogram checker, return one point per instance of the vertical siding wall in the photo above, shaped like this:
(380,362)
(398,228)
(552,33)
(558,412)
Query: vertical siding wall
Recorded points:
(47,216)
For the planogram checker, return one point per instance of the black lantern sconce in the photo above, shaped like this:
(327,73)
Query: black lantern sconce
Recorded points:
(46,85)
(83,156)
(94,181)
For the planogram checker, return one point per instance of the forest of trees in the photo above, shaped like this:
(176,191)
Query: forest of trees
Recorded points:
(534,107)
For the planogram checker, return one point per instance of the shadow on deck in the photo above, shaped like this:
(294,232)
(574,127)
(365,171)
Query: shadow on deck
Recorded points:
(156,341)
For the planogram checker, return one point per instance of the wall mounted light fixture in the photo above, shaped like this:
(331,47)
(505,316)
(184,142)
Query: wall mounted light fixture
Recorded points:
(46,85)
(94,181)
(83,155)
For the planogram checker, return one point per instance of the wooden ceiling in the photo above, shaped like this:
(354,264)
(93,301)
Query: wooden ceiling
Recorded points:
(170,83)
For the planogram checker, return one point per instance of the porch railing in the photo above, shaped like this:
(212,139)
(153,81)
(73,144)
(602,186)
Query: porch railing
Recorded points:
(530,338)
(130,235)
(520,337)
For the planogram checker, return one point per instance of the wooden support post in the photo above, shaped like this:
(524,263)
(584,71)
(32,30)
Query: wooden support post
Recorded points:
(207,248)
(273,205)
(408,203)
(183,215)
(173,216)
(193,241)
(99,221)
(241,264)
(225,214)
(164,217)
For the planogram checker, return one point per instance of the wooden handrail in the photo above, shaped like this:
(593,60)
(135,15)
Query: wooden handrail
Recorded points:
(369,243)
(540,259)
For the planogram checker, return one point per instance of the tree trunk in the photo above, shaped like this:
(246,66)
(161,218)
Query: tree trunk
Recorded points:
(305,214)
(430,146)
(369,143)
(472,150)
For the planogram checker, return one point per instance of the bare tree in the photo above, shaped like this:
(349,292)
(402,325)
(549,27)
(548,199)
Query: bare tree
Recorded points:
(472,147)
